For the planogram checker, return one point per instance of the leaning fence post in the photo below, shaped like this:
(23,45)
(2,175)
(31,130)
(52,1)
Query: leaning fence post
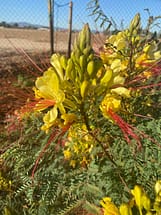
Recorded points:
(51,24)
(70,28)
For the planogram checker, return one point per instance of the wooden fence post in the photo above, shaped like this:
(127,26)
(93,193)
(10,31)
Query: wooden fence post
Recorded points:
(51,24)
(70,28)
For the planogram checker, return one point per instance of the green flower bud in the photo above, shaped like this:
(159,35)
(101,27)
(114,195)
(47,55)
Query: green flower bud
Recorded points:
(135,23)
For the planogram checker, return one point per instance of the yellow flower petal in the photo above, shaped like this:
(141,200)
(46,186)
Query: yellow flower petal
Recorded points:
(109,207)
(125,209)
(110,102)
(146,202)
(68,118)
(73,163)
(67,154)
(118,80)
(49,118)
(137,192)
(107,76)
(158,187)
(116,65)
(122,91)
(157,55)
(47,85)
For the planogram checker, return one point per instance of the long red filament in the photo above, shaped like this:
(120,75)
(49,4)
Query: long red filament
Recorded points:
(127,129)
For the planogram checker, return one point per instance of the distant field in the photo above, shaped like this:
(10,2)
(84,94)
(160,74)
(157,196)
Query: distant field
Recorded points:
(30,40)
(36,43)
(35,40)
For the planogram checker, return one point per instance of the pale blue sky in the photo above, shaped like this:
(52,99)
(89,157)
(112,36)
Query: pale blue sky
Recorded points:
(36,11)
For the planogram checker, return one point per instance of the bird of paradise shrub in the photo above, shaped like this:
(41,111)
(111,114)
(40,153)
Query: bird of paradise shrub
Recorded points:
(75,92)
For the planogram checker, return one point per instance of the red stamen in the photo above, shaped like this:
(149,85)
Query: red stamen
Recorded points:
(36,105)
(125,128)
(153,68)
(43,104)
(128,130)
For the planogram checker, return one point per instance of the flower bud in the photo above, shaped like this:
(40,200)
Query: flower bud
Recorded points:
(135,22)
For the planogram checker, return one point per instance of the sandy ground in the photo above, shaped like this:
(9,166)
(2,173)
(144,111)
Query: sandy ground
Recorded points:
(36,40)
(31,40)
(15,43)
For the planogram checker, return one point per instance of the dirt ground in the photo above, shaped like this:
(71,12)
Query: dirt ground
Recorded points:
(31,39)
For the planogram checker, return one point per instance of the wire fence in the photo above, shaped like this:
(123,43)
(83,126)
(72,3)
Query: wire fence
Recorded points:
(24,24)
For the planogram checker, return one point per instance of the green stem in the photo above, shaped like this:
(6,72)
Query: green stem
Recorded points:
(131,56)
(85,118)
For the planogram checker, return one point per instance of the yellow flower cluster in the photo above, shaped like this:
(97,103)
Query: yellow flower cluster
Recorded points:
(63,92)
(62,88)
(140,201)
(79,145)
(124,58)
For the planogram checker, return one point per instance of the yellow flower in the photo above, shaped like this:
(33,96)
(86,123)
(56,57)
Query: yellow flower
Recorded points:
(141,58)
(49,118)
(147,74)
(67,154)
(146,202)
(47,86)
(109,207)
(148,56)
(76,148)
(73,163)
(149,49)
(84,161)
(118,80)
(122,91)
(110,102)
(116,65)
(68,118)
(137,192)
(79,145)
(47,89)
(157,55)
